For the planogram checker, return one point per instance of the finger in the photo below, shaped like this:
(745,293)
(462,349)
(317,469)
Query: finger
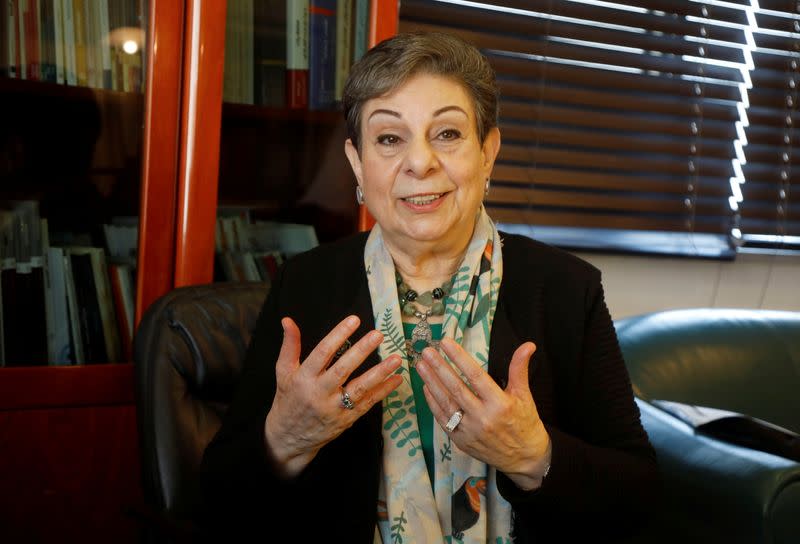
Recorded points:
(479,380)
(518,384)
(321,355)
(445,385)
(375,384)
(340,371)
(289,356)
(440,414)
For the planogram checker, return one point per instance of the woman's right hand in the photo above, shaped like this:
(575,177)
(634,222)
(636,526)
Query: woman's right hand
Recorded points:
(307,411)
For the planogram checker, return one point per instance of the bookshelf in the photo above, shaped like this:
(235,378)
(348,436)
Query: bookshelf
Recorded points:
(85,152)
(317,141)
(70,469)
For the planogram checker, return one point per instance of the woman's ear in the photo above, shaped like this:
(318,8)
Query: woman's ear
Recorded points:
(490,149)
(355,161)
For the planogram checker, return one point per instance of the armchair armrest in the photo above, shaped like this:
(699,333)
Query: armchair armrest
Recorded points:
(726,492)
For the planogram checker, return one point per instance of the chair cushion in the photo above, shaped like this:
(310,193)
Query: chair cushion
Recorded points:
(188,352)
(746,361)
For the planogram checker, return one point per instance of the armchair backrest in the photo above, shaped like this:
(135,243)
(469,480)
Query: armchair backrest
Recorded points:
(746,361)
(188,352)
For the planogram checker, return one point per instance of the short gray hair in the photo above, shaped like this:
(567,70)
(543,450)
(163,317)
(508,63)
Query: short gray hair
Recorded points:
(391,63)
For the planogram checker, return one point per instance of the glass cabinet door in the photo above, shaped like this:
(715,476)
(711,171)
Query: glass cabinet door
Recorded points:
(73,75)
(284,181)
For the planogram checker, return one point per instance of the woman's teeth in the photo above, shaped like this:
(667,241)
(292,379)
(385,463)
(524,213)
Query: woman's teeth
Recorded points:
(422,200)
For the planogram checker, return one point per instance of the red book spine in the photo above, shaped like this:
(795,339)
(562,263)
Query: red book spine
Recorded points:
(297,88)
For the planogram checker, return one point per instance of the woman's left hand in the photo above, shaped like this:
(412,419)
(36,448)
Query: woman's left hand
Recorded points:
(500,427)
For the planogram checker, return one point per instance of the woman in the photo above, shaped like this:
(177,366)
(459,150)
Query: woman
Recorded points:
(433,379)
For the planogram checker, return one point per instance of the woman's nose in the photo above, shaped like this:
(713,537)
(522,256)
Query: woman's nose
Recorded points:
(420,158)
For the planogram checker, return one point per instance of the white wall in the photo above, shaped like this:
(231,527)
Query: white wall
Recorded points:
(635,284)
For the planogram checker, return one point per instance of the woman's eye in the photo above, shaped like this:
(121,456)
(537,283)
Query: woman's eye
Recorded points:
(388,139)
(449,134)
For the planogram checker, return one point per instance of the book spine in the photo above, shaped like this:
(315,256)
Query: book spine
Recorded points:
(270,53)
(322,54)
(4,56)
(360,31)
(297,44)
(88,307)
(106,305)
(58,322)
(76,336)
(58,40)
(70,74)
(90,30)
(103,43)
(22,61)
(79,20)
(344,45)
(8,273)
(48,40)
(119,285)
(11,37)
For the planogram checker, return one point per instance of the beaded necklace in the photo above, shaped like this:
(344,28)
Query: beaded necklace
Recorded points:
(421,335)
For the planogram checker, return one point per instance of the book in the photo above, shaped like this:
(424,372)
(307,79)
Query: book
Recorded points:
(106,305)
(321,54)
(360,27)
(75,339)
(122,291)
(736,428)
(58,324)
(87,306)
(344,45)
(238,70)
(297,54)
(47,41)
(7,292)
(58,40)
(270,53)
(68,21)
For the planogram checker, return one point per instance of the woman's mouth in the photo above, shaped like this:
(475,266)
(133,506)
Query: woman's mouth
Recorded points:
(423,200)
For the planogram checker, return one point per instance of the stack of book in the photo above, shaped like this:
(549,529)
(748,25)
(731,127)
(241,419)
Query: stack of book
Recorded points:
(89,43)
(68,303)
(292,53)
(248,250)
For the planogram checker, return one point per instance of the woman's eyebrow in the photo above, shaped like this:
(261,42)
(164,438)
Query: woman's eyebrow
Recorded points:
(387,112)
(438,112)
(449,108)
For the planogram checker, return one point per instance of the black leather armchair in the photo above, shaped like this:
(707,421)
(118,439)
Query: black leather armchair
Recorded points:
(745,361)
(188,352)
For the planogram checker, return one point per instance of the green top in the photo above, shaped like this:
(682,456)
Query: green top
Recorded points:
(424,415)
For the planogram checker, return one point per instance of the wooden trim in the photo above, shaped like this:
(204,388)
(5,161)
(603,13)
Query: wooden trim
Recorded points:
(159,153)
(201,118)
(383,20)
(66,386)
(383,23)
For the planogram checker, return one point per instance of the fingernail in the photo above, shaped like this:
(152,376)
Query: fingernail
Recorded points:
(352,321)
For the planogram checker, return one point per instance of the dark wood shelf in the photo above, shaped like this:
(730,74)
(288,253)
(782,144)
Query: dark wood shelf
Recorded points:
(248,111)
(28,88)
(34,387)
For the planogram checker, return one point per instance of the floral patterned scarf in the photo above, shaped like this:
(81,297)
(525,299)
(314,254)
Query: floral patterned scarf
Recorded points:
(463,504)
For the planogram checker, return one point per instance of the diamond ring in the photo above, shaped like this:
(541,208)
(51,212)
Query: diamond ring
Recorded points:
(346,401)
(454,420)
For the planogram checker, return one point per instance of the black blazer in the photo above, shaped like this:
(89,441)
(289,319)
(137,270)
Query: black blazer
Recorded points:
(603,475)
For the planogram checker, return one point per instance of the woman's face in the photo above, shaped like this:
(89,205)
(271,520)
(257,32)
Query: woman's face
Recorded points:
(422,166)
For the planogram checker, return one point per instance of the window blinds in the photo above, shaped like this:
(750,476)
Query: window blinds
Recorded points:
(647,115)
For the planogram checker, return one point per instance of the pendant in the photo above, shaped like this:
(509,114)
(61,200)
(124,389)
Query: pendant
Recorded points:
(421,338)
